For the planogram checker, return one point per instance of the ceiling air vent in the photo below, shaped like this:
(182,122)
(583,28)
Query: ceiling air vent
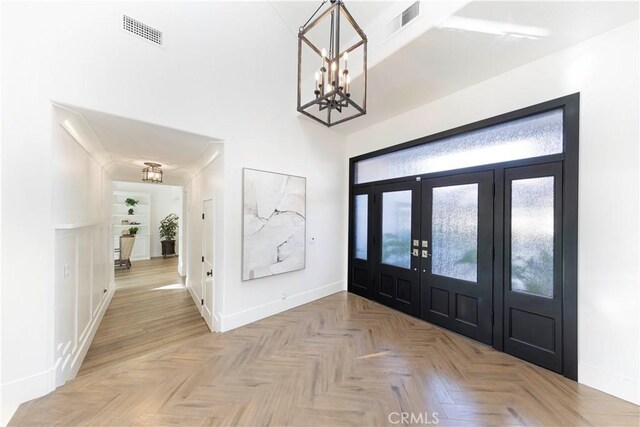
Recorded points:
(410,13)
(400,21)
(141,30)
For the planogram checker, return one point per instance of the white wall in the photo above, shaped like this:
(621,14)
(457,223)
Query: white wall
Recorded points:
(80,56)
(304,151)
(208,184)
(83,263)
(165,200)
(605,71)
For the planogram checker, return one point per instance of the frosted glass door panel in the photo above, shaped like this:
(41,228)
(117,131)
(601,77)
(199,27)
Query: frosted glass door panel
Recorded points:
(533,136)
(396,228)
(532,225)
(361,225)
(454,234)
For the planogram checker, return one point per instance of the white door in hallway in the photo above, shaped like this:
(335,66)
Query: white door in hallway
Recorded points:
(208,273)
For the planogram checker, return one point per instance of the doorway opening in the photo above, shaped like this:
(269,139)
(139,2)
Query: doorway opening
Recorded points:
(475,230)
(123,279)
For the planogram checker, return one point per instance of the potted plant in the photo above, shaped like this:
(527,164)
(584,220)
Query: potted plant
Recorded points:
(130,202)
(133,230)
(168,229)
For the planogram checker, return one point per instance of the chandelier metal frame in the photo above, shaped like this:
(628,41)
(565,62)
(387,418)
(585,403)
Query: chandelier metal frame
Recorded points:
(152,173)
(335,95)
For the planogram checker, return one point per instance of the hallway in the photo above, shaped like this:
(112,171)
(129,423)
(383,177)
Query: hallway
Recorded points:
(340,360)
(150,309)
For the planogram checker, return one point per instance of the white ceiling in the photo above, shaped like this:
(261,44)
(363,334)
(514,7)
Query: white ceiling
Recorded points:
(130,143)
(445,56)
(295,13)
(444,60)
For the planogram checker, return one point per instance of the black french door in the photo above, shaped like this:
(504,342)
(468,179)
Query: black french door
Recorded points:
(427,248)
(432,250)
(457,254)
(533,264)
(396,234)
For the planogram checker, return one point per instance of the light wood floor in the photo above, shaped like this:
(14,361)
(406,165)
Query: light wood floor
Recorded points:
(341,360)
(150,309)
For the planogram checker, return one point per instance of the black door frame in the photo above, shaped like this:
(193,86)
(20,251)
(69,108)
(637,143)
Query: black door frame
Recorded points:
(571,117)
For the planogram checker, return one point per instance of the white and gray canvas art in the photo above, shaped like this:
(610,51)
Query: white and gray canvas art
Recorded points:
(274,223)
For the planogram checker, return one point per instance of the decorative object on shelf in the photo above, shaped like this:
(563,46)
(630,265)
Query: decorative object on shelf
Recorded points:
(130,202)
(168,229)
(125,222)
(274,208)
(338,94)
(152,173)
(133,230)
(134,223)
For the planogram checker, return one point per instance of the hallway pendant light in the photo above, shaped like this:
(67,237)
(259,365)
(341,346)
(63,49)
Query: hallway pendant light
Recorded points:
(152,173)
(332,81)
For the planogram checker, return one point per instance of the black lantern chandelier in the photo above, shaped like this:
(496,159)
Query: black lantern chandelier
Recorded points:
(152,173)
(332,83)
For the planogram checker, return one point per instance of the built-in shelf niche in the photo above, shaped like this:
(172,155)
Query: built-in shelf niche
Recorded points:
(141,214)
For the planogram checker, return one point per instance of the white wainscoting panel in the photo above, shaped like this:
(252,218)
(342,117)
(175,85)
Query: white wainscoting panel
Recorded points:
(84,286)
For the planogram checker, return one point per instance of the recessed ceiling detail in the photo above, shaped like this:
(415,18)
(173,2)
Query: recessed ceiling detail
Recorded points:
(141,30)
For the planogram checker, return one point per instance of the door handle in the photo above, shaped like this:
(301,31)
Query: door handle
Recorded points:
(414,252)
(210,273)
(425,253)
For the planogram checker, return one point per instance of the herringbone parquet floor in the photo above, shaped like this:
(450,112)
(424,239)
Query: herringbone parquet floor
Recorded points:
(341,360)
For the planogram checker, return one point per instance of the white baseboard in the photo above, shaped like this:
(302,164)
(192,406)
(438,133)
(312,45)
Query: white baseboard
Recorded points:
(195,298)
(217,322)
(181,270)
(609,382)
(251,315)
(19,391)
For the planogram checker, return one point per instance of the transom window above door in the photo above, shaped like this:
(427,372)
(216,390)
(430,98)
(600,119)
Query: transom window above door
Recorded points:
(534,136)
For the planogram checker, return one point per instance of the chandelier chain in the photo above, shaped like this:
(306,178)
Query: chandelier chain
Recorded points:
(314,14)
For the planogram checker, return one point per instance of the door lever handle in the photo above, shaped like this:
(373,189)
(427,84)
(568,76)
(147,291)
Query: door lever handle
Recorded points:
(210,273)
(425,253)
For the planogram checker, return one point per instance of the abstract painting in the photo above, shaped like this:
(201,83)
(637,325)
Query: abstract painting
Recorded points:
(274,227)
